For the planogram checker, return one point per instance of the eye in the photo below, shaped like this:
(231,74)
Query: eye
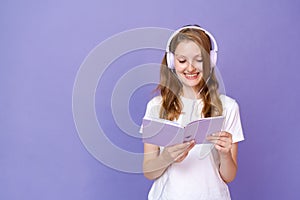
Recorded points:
(198,59)
(181,61)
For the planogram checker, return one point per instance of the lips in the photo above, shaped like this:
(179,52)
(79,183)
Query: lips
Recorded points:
(192,76)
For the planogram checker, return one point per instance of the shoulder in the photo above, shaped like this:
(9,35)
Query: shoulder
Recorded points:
(232,123)
(228,102)
(155,101)
(153,107)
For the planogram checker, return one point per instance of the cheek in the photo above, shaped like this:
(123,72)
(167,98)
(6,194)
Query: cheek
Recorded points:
(179,67)
(198,65)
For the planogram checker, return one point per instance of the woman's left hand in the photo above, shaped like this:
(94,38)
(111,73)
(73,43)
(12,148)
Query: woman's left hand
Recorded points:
(222,141)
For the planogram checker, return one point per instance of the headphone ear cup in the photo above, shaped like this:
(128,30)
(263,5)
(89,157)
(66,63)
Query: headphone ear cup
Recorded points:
(170,60)
(213,58)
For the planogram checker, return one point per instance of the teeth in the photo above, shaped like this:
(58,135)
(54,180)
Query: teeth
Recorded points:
(191,75)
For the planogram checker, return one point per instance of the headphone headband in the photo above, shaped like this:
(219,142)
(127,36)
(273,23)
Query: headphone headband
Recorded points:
(213,51)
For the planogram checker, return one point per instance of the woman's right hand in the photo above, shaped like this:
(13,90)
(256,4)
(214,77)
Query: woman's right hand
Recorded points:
(156,162)
(177,153)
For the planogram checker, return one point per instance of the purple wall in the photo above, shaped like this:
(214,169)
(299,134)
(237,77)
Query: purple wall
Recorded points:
(43,45)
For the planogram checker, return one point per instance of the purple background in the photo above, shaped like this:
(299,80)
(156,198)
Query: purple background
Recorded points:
(43,44)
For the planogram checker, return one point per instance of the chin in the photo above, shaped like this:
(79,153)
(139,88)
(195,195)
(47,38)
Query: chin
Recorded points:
(189,84)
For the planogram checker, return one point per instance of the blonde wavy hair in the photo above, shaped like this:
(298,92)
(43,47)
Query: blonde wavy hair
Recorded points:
(170,86)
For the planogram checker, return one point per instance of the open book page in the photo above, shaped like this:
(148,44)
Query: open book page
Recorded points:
(164,121)
(166,133)
(199,129)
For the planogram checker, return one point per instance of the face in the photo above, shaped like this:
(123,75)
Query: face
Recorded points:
(188,63)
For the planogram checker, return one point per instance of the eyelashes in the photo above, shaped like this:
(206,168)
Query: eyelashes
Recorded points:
(184,61)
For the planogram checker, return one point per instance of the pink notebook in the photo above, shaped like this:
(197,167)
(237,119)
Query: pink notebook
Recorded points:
(166,133)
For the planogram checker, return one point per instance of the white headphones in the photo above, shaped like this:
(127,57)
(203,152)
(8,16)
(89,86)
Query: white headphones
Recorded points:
(213,51)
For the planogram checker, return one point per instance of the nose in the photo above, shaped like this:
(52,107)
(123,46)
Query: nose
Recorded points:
(190,67)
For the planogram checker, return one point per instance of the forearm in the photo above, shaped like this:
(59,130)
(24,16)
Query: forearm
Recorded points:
(228,168)
(228,154)
(156,162)
(155,167)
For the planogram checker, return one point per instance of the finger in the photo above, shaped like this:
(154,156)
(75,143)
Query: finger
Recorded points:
(181,157)
(182,152)
(219,148)
(185,153)
(191,145)
(212,139)
(185,146)
(221,134)
(226,145)
(182,145)
(221,143)
(222,149)
(213,136)
(223,139)
(224,134)
(178,149)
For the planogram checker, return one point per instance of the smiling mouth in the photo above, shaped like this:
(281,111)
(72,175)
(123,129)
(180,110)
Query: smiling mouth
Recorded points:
(191,76)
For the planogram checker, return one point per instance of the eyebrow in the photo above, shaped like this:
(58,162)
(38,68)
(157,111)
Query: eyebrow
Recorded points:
(179,55)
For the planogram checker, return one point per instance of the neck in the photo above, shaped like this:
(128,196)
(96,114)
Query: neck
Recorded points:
(190,93)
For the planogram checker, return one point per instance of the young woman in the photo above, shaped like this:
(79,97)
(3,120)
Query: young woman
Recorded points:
(189,91)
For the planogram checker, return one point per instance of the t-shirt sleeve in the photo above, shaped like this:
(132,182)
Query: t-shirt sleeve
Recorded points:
(152,110)
(232,122)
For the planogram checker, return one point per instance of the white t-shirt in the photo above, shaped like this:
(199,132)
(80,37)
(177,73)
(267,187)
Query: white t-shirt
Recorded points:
(197,176)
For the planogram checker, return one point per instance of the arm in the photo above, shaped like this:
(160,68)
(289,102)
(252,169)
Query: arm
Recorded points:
(156,163)
(224,141)
(228,155)
(228,166)
(153,166)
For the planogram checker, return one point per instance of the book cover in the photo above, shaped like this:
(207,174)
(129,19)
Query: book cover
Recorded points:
(163,132)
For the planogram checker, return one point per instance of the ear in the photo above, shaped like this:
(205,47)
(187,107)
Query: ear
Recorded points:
(170,60)
(213,58)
